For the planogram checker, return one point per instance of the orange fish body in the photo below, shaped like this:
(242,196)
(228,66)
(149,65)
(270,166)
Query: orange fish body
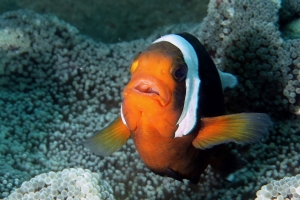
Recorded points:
(151,116)
(173,110)
(173,157)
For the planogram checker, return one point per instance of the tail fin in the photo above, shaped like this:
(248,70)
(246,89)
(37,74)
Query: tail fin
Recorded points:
(227,80)
(239,128)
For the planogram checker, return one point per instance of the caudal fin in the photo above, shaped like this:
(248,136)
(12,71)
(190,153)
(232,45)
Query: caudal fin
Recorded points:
(239,128)
(109,139)
(227,80)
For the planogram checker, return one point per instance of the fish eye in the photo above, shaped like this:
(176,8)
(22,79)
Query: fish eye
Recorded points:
(180,72)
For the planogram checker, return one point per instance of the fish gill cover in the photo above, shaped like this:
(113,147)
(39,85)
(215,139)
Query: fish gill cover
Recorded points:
(59,87)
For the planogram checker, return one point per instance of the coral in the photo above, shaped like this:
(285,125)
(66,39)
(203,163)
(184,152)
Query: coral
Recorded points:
(64,87)
(286,187)
(13,40)
(243,37)
(67,184)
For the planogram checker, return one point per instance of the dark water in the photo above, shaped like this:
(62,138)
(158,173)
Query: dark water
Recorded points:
(59,85)
(115,21)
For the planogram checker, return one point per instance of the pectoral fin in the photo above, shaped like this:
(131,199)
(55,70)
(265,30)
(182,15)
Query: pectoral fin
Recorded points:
(240,128)
(109,139)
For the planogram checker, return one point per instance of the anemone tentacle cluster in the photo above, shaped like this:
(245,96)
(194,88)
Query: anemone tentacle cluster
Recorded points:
(288,186)
(67,184)
(245,39)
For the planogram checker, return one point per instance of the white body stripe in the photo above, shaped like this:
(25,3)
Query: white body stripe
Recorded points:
(188,118)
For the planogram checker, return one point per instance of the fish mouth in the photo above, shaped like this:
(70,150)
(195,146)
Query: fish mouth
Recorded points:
(151,87)
(147,88)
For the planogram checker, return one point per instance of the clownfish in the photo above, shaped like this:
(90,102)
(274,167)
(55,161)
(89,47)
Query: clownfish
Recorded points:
(173,109)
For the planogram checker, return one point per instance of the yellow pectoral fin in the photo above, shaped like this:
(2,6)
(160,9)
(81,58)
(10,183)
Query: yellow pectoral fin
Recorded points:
(240,128)
(109,139)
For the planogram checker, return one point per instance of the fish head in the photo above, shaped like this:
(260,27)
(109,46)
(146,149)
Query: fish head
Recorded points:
(156,90)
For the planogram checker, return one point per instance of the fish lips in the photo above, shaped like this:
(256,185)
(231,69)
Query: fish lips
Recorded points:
(149,87)
(150,97)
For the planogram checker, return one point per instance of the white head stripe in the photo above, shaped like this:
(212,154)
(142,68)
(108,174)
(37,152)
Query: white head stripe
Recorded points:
(188,118)
(122,116)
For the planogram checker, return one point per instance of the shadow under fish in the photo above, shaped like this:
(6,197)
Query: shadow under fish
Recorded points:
(173,109)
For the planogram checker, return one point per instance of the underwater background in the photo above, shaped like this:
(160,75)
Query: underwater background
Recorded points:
(63,67)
